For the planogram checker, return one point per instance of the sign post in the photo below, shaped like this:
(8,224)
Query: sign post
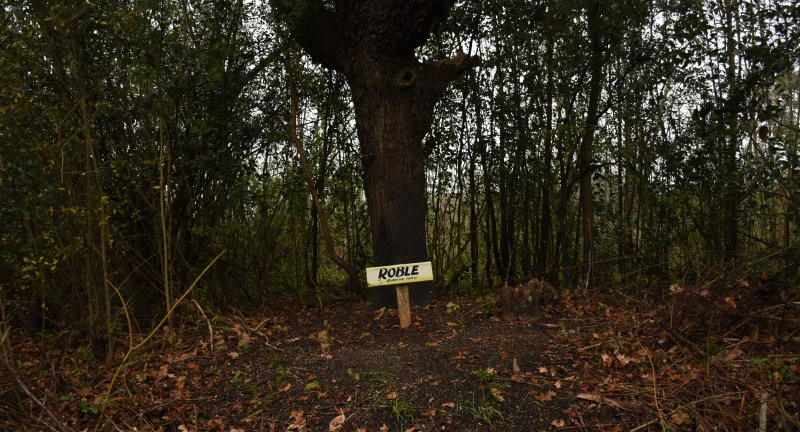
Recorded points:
(403,306)
(401,275)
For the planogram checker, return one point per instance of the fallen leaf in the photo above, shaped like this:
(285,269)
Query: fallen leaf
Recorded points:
(336,423)
(678,418)
(392,395)
(384,427)
(163,371)
(448,405)
(186,356)
(545,397)
(299,420)
(497,395)
(623,359)
(558,423)
(731,355)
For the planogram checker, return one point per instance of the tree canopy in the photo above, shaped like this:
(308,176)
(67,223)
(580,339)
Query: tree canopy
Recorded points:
(635,144)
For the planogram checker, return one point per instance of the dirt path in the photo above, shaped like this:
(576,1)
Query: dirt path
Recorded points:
(448,371)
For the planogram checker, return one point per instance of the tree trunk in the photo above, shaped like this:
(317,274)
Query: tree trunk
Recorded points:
(319,184)
(543,262)
(478,151)
(732,195)
(562,236)
(372,44)
(585,156)
(473,202)
(394,183)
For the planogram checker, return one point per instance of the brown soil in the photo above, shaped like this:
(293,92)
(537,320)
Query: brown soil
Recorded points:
(591,363)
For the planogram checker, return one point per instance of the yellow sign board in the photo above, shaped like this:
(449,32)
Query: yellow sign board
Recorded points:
(400,274)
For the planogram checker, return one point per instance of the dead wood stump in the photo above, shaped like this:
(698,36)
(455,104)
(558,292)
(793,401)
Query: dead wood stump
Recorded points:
(521,301)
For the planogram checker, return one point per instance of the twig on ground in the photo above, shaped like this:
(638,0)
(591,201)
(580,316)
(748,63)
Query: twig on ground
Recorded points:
(762,415)
(785,419)
(682,339)
(589,347)
(243,324)
(655,388)
(619,404)
(15,376)
(646,425)
(210,329)
(133,349)
(680,407)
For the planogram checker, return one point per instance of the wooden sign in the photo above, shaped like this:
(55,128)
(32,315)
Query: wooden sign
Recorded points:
(400,275)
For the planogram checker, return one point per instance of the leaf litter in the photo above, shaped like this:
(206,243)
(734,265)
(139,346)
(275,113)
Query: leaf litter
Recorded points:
(692,361)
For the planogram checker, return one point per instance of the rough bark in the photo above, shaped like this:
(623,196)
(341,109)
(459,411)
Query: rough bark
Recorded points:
(585,157)
(372,44)
(543,261)
(731,194)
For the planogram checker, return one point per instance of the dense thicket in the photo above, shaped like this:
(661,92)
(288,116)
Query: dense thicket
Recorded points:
(628,143)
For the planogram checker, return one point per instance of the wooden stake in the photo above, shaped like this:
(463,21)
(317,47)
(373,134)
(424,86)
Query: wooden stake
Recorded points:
(403,306)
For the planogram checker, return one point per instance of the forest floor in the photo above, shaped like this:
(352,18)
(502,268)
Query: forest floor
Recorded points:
(701,358)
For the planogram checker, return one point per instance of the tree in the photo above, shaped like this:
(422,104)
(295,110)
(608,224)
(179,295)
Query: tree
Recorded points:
(372,44)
